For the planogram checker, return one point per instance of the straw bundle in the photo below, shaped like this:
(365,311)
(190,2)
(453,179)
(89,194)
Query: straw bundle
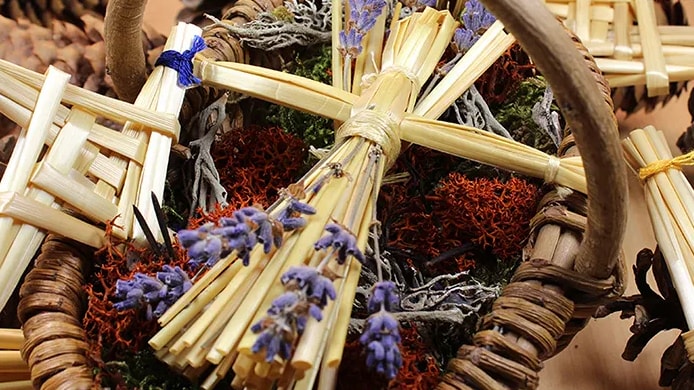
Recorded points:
(14,372)
(642,54)
(87,167)
(670,201)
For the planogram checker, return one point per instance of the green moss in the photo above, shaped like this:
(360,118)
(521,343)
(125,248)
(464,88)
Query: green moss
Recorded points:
(516,115)
(144,371)
(313,64)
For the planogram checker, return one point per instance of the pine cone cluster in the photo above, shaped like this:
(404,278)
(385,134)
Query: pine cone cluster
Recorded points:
(44,12)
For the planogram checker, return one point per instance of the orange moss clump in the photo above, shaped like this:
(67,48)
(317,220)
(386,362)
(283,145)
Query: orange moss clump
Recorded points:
(495,214)
(503,77)
(419,369)
(111,333)
(254,162)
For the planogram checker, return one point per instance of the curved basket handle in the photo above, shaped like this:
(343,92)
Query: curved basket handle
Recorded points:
(592,122)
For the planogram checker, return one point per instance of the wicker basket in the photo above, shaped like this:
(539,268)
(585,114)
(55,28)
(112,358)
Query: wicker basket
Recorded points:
(573,264)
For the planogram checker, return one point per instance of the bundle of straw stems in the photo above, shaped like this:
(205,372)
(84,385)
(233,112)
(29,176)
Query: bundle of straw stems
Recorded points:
(161,93)
(210,324)
(670,202)
(14,372)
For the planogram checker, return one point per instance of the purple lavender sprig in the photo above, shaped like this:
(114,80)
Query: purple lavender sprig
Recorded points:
(308,291)
(381,338)
(362,18)
(382,335)
(241,232)
(154,294)
(476,20)
(342,241)
(476,17)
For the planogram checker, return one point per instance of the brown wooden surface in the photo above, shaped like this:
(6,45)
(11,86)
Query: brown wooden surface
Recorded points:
(593,361)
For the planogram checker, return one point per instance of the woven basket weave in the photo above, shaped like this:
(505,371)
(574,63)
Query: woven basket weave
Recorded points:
(567,275)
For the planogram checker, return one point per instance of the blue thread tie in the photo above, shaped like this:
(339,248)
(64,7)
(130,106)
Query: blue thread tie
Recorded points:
(183,62)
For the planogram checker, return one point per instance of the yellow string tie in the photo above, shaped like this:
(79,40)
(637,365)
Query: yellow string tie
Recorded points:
(663,165)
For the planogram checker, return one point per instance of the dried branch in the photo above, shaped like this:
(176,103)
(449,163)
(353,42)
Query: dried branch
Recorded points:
(303,24)
(125,58)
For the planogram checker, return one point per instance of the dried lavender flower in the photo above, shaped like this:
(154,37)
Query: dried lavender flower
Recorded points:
(362,18)
(317,287)
(381,338)
(463,39)
(308,291)
(342,240)
(154,294)
(246,228)
(383,295)
(476,18)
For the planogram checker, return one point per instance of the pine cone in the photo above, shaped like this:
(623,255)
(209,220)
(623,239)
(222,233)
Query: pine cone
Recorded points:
(77,50)
(44,12)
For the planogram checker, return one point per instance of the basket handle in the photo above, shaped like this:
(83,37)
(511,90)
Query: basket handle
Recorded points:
(591,120)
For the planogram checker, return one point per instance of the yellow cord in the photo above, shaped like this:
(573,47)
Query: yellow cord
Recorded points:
(663,165)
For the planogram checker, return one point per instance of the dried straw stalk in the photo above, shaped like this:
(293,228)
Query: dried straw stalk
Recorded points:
(670,201)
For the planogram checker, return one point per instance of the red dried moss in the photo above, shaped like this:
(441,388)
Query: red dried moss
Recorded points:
(419,369)
(113,334)
(503,77)
(494,214)
(254,162)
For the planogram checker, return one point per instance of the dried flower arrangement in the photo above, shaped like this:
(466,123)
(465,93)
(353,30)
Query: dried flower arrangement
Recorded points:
(251,289)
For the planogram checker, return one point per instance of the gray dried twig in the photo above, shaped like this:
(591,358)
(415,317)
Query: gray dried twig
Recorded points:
(305,25)
(450,291)
(206,188)
(547,119)
(471,110)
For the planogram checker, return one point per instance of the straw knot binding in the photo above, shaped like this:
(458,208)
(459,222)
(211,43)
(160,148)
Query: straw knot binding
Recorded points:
(377,127)
(553,164)
(663,165)
(183,62)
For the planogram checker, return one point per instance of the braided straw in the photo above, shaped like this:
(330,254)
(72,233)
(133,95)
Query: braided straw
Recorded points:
(51,307)
(549,298)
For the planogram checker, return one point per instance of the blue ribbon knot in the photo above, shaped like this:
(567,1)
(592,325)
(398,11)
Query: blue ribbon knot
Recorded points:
(183,62)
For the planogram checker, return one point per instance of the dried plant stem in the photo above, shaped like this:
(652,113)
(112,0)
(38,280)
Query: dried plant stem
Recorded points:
(168,99)
(20,241)
(670,204)
(11,361)
(11,338)
(125,56)
(491,45)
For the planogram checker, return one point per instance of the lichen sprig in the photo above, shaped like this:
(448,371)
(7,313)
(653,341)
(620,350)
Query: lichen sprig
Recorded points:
(307,291)
(156,294)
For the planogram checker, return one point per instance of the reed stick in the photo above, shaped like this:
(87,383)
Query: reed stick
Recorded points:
(11,338)
(16,177)
(156,160)
(11,361)
(18,385)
